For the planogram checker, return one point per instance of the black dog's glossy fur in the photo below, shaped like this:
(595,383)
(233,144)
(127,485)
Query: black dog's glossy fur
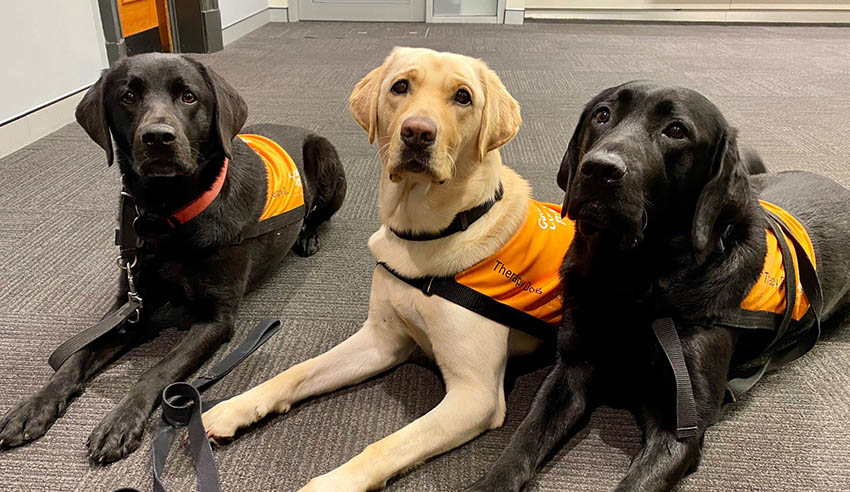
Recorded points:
(174,121)
(652,202)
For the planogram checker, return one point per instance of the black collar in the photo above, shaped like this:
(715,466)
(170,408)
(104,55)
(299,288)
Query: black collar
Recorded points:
(460,223)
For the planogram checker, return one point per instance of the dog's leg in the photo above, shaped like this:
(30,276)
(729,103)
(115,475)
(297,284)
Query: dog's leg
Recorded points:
(663,460)
(379,345)
(559,410)
(120,432)
(473,367)
(325,178)
(32,418)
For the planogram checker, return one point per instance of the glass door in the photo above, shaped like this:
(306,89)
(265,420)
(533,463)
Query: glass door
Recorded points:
(362,10)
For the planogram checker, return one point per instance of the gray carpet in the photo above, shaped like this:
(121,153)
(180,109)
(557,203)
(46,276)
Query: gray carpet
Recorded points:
(787,88)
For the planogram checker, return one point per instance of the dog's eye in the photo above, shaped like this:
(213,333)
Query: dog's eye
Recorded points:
(188,97)
(399,87)
(675,131)
(462,97)
(602,115)
(128,97)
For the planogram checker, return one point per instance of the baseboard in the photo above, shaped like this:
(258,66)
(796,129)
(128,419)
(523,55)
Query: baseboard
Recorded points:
(713,16)
(514,16)
(25,130)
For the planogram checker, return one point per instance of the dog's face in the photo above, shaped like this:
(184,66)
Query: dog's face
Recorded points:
(433,113)
(644,153)
(168,114)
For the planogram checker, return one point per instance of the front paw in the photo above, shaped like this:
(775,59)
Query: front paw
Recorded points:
(117,435)
(29,420)
(223,420)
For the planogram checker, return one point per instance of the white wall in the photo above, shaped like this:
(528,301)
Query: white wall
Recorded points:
(233,11)
(49,49)
(278,3)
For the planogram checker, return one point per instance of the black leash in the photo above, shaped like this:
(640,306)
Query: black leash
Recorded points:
(182,407)
(460,223)
(128,241)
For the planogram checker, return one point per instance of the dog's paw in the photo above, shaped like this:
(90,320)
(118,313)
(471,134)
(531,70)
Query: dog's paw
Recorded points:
(306,244)
(29,420)
(223,420)
(117,435)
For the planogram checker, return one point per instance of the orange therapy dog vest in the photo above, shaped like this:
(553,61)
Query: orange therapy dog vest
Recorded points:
(284,191)
(769,292)
(524,273)
(519,285)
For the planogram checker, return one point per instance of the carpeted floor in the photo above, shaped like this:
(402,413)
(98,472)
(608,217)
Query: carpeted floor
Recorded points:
(787,88)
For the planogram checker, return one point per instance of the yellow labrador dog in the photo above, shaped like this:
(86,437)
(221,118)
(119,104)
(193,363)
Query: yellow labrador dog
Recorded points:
(439,119)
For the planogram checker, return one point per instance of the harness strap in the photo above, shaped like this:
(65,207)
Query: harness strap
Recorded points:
(273,223)
(686,407)
(460,223)
(811,287)
(471,299)
(182,406)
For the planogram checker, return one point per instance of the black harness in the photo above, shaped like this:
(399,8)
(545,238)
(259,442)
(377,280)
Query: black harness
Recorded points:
(181,402)
(130,222)
(668,337)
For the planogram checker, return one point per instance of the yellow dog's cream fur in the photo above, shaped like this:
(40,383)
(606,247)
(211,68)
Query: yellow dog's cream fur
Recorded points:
(470,350)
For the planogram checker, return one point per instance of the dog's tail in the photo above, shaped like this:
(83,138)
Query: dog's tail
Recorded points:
(753,162)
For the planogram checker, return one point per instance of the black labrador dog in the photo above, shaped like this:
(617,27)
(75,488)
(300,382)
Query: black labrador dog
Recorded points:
(669,224)
(175,125)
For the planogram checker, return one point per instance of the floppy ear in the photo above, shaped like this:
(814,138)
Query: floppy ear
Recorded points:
(363,101)
(231,111)
(500,118)
(569,163)
(725,194)
(91,115)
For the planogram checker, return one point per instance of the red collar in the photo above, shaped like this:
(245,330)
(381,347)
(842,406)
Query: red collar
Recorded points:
(198,205)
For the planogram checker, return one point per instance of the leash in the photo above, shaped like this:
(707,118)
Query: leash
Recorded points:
(130,311)
(182,407)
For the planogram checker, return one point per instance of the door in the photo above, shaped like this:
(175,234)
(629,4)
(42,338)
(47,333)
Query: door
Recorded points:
(362,10)
(144,25)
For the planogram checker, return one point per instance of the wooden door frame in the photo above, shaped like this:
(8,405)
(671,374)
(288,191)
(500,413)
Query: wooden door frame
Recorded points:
(115,45)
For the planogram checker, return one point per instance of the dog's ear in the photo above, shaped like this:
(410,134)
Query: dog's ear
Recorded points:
(500,119)
(91,115)
(725,194)
(363,101)
(569,163)
(231,111)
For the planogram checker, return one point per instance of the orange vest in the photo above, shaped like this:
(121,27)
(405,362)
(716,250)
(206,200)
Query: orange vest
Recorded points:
(768,294)
(284,191)
(524,273)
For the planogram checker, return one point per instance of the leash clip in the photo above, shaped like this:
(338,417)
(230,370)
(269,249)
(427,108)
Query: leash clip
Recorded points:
(132,295)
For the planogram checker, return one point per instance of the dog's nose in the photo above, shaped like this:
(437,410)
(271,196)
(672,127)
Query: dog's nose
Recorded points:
(159,134)
(418,132)
(604,169)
